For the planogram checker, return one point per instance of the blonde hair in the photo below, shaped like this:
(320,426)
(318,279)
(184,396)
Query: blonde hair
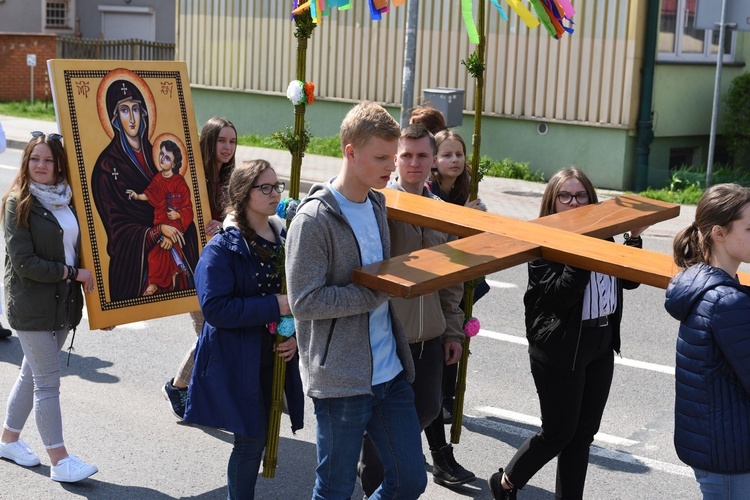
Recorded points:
(720,205)
(365,120)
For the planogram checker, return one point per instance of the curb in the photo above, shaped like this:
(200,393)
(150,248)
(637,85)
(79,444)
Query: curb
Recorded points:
(15,144)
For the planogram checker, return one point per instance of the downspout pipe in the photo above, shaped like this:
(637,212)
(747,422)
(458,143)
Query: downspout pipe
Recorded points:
(645,124)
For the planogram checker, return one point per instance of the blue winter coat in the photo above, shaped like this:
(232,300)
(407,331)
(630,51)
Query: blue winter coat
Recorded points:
(712,408)
(228,380)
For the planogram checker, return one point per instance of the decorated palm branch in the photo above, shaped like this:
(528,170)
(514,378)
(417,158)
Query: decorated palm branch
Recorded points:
(554,16)
(295,139)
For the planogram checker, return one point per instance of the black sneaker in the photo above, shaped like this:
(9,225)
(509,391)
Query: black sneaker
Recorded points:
(5,332)
(176,397)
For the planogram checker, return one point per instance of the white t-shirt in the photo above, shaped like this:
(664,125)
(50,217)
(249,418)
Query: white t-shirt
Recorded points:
(361,218)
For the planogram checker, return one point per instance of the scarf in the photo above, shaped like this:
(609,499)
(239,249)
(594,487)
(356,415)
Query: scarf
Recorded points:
(53,196)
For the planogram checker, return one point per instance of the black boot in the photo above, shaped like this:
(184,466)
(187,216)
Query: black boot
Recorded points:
(5,332)
(497,490)
(446,471)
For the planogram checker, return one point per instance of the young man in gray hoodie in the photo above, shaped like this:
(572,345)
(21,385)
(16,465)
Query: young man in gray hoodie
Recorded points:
(433,323)
(355,360)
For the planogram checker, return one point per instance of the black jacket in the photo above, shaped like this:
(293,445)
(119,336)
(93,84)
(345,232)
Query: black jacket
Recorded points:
(554,305)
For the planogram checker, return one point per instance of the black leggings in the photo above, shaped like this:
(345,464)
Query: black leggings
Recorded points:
(572,403)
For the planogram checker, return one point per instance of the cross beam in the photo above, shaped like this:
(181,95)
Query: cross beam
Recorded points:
(492,242)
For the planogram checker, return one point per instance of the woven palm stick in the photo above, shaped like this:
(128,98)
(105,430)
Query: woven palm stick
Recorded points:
(304,27)
(458,404)
(476,140)
(270,459)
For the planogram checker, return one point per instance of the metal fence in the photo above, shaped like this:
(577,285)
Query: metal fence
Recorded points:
(78,48)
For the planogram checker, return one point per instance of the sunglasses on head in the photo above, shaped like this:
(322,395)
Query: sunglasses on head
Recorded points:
(39,133)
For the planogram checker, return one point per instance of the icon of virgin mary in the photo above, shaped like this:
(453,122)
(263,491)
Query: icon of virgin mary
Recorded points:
(127,164)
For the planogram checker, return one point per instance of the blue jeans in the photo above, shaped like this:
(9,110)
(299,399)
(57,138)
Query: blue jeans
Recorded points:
(244,462)
(716,486)
(389,417)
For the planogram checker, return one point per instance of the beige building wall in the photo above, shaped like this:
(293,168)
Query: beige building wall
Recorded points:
(590,77)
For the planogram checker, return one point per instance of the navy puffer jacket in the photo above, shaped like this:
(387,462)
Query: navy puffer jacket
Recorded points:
(712,407)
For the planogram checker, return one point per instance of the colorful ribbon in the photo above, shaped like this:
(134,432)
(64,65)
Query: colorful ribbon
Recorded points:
(526,16)
(468,14)
(499,8)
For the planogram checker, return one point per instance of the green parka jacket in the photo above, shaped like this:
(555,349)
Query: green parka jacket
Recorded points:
(36,295)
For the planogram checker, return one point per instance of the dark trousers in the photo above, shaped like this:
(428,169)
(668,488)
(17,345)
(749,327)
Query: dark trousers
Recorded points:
(572,404)
(428,397)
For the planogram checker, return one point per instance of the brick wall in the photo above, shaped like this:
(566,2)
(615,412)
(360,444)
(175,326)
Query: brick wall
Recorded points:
(15,75)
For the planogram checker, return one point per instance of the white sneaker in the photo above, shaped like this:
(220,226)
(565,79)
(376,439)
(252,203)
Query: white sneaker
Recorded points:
(71,469)
(20,453)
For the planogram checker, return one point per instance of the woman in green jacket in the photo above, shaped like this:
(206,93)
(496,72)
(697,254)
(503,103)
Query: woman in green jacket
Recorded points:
(43,300)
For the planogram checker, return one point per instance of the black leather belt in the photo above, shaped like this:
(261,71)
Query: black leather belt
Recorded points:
(596,322)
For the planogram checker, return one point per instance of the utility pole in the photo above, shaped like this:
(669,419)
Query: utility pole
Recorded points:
(410,55)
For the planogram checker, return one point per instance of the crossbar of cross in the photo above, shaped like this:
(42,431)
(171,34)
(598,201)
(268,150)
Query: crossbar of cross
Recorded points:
(492,242)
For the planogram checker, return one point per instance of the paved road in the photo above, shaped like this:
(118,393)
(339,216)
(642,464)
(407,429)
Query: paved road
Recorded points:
(115,416)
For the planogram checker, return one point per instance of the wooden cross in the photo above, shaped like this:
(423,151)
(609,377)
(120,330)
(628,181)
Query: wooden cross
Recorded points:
(491,243)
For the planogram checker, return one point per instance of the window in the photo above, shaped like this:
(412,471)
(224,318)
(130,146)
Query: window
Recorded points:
(56,14)
(681,157)
(680,40)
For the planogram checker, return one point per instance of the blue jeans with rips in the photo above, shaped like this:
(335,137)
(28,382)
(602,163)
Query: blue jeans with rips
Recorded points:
(389,418)
(717,486)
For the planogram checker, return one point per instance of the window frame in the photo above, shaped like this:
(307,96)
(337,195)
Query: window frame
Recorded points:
(63,8)
(677,55)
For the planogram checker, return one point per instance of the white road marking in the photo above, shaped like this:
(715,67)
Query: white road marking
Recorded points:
(501,284)
(657,465)
(530,420)
(644,365)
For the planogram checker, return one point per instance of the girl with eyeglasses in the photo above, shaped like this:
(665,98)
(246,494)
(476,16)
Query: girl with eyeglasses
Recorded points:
(573,328)
(43,300)
(239,288)
(712,374)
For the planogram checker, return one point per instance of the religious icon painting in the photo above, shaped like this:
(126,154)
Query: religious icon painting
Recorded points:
(138,185)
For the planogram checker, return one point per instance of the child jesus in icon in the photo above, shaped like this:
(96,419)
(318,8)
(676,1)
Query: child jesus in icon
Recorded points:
(169,194)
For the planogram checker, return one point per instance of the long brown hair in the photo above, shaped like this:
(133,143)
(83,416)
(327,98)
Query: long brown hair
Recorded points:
(241,181)
(459,194)
(20,185)
(429,117)
(720,205)
(209,137)
(555,184)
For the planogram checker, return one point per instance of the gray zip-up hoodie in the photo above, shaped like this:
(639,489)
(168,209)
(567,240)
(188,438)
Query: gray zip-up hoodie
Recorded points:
(331,312)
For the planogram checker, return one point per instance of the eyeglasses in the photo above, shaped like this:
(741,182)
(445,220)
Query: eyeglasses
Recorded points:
(567,198)
(39,133)
(267,188)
